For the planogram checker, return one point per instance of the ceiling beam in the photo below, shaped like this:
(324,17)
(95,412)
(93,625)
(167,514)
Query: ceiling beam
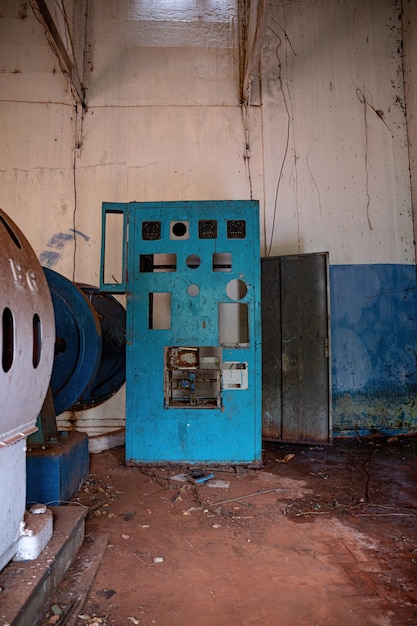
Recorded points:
(254,17)
(68,65)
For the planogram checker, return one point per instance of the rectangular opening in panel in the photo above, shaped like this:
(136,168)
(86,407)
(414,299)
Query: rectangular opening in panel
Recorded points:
(158,263)
(233,324)
(222,262)
(113,247)
(159,311)
(234,375)
(192,377)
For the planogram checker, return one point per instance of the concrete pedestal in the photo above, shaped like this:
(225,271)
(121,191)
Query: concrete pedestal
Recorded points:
(27,586)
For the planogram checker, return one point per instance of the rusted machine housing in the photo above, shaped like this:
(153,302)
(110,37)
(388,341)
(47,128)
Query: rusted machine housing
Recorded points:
(27,341)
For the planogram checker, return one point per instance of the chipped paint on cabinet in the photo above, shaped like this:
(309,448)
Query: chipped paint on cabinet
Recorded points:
(192,274)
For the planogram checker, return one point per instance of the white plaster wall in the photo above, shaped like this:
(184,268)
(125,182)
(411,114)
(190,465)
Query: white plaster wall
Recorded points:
(37,125)
(335,144)
(410,71)
(163,119)
(164,122)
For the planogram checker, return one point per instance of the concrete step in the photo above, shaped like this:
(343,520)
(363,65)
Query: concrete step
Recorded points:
(26,586)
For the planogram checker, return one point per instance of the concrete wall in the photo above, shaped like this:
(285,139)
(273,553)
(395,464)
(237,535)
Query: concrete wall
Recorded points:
(337,178)
(328,153)
(410,85)
(163,122)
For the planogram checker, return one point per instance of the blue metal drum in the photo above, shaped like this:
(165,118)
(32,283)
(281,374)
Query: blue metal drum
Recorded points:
(78,341)
(111,373)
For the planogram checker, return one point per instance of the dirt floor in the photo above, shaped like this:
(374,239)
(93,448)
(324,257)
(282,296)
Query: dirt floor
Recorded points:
(320,536)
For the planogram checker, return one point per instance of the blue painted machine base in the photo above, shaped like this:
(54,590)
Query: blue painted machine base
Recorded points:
(54,475)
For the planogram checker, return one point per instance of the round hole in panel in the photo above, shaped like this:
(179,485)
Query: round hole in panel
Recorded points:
(236,289)
(193,290)
(179,229)
(193,261)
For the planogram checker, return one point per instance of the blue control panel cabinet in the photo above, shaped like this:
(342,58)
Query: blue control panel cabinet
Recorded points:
(191,272)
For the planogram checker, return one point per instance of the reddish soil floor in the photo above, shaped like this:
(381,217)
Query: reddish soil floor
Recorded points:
(320,536)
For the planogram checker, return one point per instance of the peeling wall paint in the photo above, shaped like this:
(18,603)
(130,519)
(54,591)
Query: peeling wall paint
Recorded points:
(374,348)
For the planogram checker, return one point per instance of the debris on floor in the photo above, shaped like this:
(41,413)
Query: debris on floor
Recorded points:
(219,484)
(325,537)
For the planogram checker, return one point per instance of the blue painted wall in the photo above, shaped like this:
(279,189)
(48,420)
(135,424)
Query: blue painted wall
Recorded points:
(374,349)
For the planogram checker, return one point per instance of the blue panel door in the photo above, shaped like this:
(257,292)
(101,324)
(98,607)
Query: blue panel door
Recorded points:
(193,378)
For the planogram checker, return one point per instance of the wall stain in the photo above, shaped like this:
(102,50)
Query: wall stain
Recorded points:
(377,413)
(56,244)
(374,349)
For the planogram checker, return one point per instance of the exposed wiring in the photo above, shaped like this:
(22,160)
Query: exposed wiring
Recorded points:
(365,101)
(286,36)
(361,97)
(314,183)
(74,178)
(246,129)
(287,140)
(252,24)
(78,129)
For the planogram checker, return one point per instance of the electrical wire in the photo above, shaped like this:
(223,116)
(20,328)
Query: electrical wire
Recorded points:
(287,141)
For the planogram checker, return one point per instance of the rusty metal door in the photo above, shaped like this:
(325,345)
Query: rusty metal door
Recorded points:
(296,389)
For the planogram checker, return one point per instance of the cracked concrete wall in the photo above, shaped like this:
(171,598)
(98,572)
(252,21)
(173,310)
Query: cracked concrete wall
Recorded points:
(163,122)
(337,178)
(410,71)
(335,141)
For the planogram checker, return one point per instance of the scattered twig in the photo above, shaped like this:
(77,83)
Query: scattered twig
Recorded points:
(383,514)
(312,513)
(249,495)
(74,607)
(323,476)
(394,508)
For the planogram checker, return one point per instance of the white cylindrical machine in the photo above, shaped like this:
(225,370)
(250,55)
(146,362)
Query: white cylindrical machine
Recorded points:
(27,340)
